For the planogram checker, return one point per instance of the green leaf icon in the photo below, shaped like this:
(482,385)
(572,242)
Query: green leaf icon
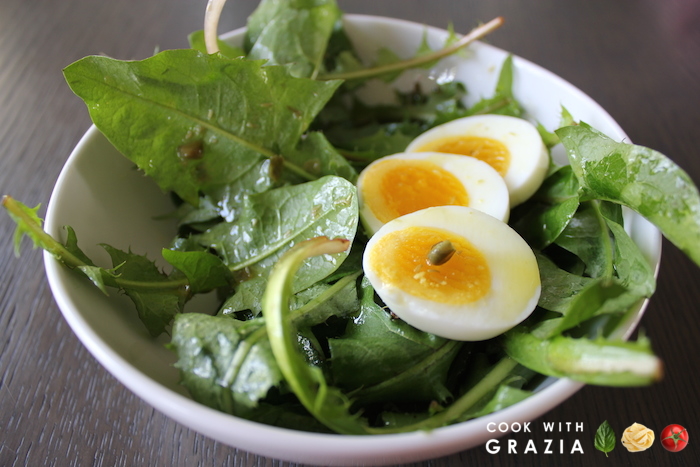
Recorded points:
(605,438)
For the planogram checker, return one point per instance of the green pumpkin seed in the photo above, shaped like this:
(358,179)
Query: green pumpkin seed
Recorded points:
(440,253)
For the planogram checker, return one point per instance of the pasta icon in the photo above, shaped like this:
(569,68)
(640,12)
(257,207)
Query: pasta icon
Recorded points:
(637,438)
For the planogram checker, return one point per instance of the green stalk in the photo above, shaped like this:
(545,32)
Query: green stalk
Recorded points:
(298,316)
(476,34)
(28,225)
(601,362)
(329,405)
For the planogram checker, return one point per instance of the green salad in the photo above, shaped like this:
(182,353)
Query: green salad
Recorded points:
(260,148)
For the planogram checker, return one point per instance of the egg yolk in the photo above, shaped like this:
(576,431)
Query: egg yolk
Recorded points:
(395,187)
(401,259)
(489,150)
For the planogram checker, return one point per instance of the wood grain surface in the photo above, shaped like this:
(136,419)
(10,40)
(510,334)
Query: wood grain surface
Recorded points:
(58,407)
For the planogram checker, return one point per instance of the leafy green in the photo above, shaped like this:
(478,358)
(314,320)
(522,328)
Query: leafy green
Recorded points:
(543,218)
(422,58)
(640,178)
(293,33)
(503,102)
(328,404)
(559,287)
(24,218)
(100,277)
(322,302)
(597,361)
(247,297)
(155,303)
(227,363)
(385,359)
(224,363)
(588,264)
(262,163)
(308,307)
(388,58)
(374,141)
(319,157)
(586,235)
(550,138)
(365,132)
(204,271)
(29,224)
(605,438)
(269,223)
(621,276)
(631,266)
(158,297)
(195,122)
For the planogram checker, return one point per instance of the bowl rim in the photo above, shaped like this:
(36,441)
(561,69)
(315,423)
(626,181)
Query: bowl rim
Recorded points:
(290,445)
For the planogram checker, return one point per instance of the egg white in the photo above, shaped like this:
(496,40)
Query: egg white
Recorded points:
(529,158)
(485,187)
(515,281)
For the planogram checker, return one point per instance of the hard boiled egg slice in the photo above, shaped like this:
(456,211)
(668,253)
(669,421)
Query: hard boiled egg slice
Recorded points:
(403,183)
(511,145)
(489,284)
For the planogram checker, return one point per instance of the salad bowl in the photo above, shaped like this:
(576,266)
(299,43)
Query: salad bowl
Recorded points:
(102,197)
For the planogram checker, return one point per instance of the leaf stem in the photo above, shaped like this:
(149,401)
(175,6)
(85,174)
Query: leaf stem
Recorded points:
(327,404)
(37,233)
(475,34)
(211,24)
(297,316)
(62,254)
(170,284)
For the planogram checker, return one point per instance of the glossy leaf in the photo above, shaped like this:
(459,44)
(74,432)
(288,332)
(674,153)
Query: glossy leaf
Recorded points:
(543,218)
(386,359)
(271,222)
(559,287)
(293,33)
(223,362)
(640,178)
(195,122)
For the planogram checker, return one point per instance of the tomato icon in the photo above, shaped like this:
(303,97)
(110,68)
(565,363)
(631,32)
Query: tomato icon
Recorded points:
(674,438)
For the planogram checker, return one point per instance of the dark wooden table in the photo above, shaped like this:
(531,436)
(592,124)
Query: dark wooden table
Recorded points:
(639,59)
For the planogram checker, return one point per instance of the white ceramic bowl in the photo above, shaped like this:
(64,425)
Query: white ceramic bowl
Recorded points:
(105,200)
